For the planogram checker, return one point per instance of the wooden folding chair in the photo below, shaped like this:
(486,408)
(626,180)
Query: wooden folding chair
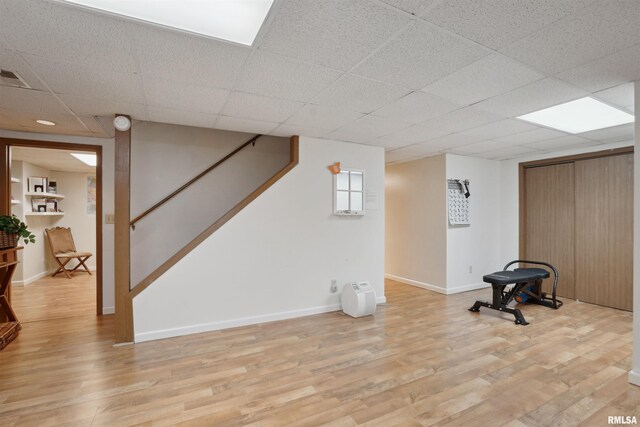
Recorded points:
(64,250)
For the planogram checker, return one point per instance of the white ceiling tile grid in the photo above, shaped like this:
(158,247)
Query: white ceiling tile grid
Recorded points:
(509,153)
(562,143)
(13,62)
(288,130)
(280,77)
(500,128)
(334,33)
(245,125)
(618,96)
(490,76)
(368,128)
(317,116)
(102,107)
(535,96)
(498,23)
(612,134)
(613,70)
(462,119)
(450,141)
(178,117)
(254,107)
(420,55)
(479,147)
(602,28)
(163,93)
(413,7)
(359,94)
(540,134)
(417,107)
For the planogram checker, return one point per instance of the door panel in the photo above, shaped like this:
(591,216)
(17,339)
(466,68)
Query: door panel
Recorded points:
(549,222)
(604,231)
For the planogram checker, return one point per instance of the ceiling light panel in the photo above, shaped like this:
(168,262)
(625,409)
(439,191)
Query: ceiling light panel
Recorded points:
(233,20)
(582,115)
(89,159)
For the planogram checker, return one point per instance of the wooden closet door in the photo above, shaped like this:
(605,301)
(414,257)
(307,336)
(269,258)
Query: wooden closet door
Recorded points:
(604,231)
(549,222)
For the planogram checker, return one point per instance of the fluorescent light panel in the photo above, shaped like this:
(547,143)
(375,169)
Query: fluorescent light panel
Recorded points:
(233,20)
(581,115)
(89,159)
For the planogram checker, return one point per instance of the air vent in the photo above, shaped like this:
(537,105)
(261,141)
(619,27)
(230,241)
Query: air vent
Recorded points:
(10,78)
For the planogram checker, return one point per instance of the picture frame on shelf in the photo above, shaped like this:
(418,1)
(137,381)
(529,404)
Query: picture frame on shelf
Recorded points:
(38,205)
(52,187)
(37,184)
(52,205)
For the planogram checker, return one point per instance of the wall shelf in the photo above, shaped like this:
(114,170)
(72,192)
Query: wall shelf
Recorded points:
(45,195)
(44,213)
(15,202)
(14,180)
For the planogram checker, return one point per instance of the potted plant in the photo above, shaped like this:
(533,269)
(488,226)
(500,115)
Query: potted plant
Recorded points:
(12,230)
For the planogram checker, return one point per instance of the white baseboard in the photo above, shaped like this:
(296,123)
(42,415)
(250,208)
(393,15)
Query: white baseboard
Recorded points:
(31,279)
(234,323)
(108,310)
(435,288)
(634,377)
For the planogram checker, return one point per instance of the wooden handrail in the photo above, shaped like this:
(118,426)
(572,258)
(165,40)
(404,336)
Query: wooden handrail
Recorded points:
(191,181)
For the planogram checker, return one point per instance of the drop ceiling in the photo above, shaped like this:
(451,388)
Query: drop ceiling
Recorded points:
(418,77)
(51,159)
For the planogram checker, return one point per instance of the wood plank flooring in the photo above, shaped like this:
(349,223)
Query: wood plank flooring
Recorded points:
(423,359)
(55,297)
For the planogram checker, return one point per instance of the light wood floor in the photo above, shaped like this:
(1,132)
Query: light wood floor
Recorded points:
(55,297)
(423,359)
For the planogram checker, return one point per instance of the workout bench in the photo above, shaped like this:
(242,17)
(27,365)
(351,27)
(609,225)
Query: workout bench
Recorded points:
(525,281)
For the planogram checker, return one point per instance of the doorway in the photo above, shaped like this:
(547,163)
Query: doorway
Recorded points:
(51,185)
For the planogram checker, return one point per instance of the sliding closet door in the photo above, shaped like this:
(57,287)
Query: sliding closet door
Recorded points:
(549,221)
(604,231)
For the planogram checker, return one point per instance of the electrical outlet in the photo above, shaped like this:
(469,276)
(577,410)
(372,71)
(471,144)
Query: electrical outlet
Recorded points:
(109,219)
(470,269)
(334,285)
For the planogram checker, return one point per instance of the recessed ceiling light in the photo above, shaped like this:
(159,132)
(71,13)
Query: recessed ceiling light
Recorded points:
(89,159)
(46,122)
(233,20)
(581,115)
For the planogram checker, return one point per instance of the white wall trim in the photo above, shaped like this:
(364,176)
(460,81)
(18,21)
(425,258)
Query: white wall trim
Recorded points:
(438,289)
(435,288)
(634,377)
(31,279)
(234,323)
(108,310)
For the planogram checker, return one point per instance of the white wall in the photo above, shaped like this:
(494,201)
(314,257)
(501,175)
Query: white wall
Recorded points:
(73,185)
(277,257)
(634,374)
(509,230)
(415,221)
(108,159)
(472,251)
(164,157)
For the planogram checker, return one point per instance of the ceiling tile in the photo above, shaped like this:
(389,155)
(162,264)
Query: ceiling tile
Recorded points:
(245,125)
(67,33)
(327,118)
(599,30)
(408,136)
(359,94)
(184,96)
(562,143)
(367,128)
(261,108)
(480,147)
(612,134)
(289,130)
(413,7)
(176,56)
(488,77)
(81,80)
(522,138)
(499,23)
(407,153)
(419,56)
(417,107)
(37,101)
(462,119)
(13,62)
(619,96)
(451,141)
(102,107)
(65,124)
(281,77)
(508,153)
(6,122)
(499,129)
(535,96)
(603,73)
(180,117)
(333,33)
